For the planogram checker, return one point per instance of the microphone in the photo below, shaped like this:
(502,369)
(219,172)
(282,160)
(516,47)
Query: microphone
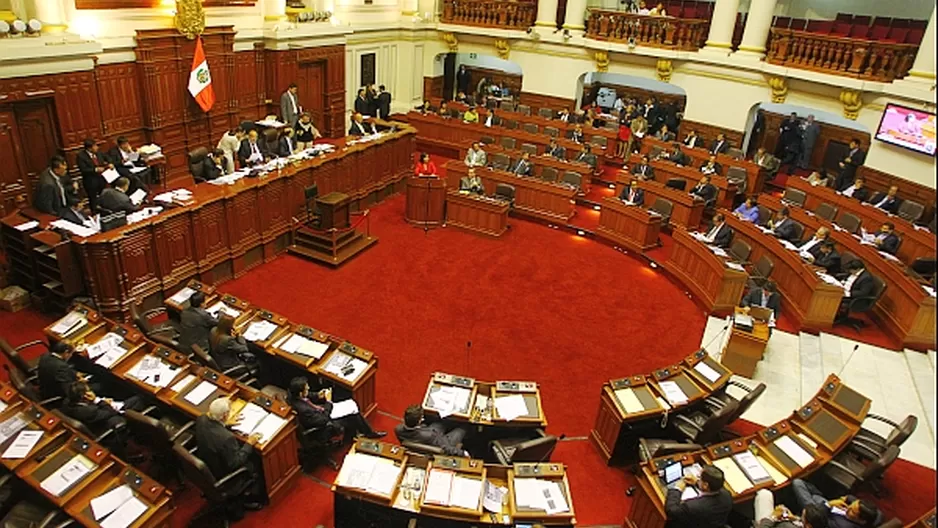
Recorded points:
(714,338)
(852,352)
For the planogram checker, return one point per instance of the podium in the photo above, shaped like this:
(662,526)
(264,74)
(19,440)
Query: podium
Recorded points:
(745,349)
(426,196)
(333,210)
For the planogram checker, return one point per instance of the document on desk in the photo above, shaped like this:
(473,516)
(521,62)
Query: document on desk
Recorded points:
(511,407)
(110,357)
(69,323)
(182,295)
(137,196)
(673,392)
(707,371)
(3,406)
(259,330)
(222,307)
(338,363)
(183,383)
(689,493)
(343,408)
(297,344)
(370,473)
(788,245)
(197,395)
(110,175)
(447,400)
(23,444)
(106,343)
(71,473)
(629,400)
(269,427)
(26,226)
(383,476)
(493,497)
(794,451)
(540,495)
(734,266)
(718,251)
(249,417)
(465,493)
(733,475)
(106,503)
(752,467)
(11,426)
(439,484)
(777,475)
(126,514)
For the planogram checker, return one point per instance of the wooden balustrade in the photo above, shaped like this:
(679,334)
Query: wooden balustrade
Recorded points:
(844,56)
(490,13)
(644,30)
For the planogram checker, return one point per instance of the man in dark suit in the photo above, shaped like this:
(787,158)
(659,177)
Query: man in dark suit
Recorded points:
(766,297)
(74,215)
(849,164)
(213,165)
(710,509)
(316,411)
(858,190)
(359,127)
(644,170)
(253,150)
(361,103)
(287,145)
(828,257)
(632,194)
(415,430)
(788,132)
(859,282)
(564,116)
(711,167)
(195,324)
(223,454)
(720,235)
(91,165)
(383,102)
(783,226)
(55,373)
(677,155)
(888,201)
(115,199)
(887,240)
(586,156)
(128,164)
(705,190)
(54,190)
(721,145)
(99,414)
(523,166)
(556,151)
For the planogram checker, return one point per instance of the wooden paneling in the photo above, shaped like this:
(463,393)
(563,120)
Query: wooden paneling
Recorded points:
(535,101)
(432,87)
(626,92)
(499,77)
(320,73)
(143,4)
(12,170)
(709,132)
(831,137)
(119,90)
(249,99)
(878,180)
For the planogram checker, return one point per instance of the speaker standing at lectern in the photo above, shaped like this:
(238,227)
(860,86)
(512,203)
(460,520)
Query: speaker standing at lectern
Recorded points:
(425,167)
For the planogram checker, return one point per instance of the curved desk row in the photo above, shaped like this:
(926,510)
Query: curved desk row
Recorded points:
(792,448)
(539,161)
(755,175)
(711,277)
(94,470)
(467,400)
(666,170)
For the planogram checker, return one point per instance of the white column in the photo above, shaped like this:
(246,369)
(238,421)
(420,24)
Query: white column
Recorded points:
(721,26)
(758,23)
(275,10)
(546,13)
(924,65)
(427,9)
(52,15)
(575,15)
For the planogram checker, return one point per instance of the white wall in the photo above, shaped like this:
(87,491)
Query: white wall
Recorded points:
(487,61)
(828,9)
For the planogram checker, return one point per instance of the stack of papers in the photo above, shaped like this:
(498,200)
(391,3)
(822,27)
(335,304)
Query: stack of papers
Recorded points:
(220,307)
(494,497)
(197,395)
(830,280)
(629,400)
(734,266)
(120,507)
(339,361)
(788,245)
(794,451)
(137,196)
(69,474)
(370,473)
(448,400)
(297,344)
(68,324)
(673,392)
(154,371)
(718,251)
(733,475)
(23,444)
(11,426)
(111,356)
(344,408)
(538,494)
(143,214)
(104,345)
(255,420)
(76,229)
(26,226)
(707,372)
(176,196)
(447,488)
(259,330)
(511,407)
(182,295)
(752,467)
(229,179)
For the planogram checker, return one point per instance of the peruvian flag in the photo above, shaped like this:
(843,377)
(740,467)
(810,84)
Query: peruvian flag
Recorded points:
(200,80)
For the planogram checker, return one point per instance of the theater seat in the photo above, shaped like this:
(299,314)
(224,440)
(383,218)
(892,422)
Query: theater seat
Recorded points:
(847,474)
(664,208)
(196,157)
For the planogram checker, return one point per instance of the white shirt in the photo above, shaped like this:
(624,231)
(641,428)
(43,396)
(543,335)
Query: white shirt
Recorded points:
(296,109)
(779,224)
(713,233)
(849,283)
(488,121)
(692,141)
(810,244)
(849,191)
(883,201)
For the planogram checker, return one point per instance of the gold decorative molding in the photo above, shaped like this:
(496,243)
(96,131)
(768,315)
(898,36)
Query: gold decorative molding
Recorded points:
(450,40)
(502,48)
(190,18)
(601,58)
(852,101)
(779,86)
(664,69)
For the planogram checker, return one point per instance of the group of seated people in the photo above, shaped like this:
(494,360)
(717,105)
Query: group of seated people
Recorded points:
(523,166)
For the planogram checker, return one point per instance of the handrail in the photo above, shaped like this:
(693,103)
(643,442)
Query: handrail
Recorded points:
(645,30)
(490,13)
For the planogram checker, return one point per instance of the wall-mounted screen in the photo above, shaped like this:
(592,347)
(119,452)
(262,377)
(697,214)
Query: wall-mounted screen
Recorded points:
(908,128)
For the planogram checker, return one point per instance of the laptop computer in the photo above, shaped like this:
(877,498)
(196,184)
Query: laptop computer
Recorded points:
(759,313)
(673,473)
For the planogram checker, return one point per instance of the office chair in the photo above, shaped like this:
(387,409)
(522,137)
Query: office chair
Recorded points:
(505,192)
(523,109)
(924,267)
(676,183)
(241,373)
(531,128)
(501,161)
(106,438)
(508,143)
(317,444)
(167,330)
(35,513)
(798,231)
(529,148)
(510,124)
(487,140)
(911,211)
(738,176)
(870,446)
(849,222)
(546,113)
(29,388)
(221,494)
(718,401)
(572,179)
(740,251)
(765,214)
(552,131)
(649,449)
(195,158)
(27,367)
(512,450)
(664,208)
(761,272)
(735,153)
(507,106)
(694,432)
(161,436)
(309,199)
(860,305)
(549,174)
(847,474)
(423,449)
(794,197)
(455,113)
(826,211)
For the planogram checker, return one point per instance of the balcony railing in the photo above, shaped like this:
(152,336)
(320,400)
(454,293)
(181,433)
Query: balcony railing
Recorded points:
(643,30)
(488,13)
(844,56)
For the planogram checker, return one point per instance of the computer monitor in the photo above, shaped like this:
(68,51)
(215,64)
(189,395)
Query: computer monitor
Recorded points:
(673,473)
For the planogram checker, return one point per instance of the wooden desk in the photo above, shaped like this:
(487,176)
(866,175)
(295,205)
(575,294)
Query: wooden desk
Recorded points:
(686,211)
(805,296)
(716,286)
(755,175)
(480,408)
(665,170)
(552,202)
(481,214)
(745,348)
(925,521)
(632,226)
(915,242)
(539,161)
(425,201)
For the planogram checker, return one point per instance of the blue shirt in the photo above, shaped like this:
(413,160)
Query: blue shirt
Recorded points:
(749,214)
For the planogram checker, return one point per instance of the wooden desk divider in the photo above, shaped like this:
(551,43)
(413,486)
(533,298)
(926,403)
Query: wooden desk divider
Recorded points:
(702,367)
(847,402)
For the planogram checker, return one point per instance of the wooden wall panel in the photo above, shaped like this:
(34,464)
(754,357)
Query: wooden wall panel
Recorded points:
(878,180)
(833,137)
(502,78)
(709,132)
(283,68)
(433,88)
(119,90)
(536,100)
(642,94)
(249,97)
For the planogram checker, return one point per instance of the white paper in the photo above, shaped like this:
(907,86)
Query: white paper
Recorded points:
(198,394)
(110,175)
(68,475)
(439,484)
(367,472)
(448,400)
(110,357)
(269,427)
(3,406)
(222,307)
(752,467)
(76,229)
(718,251)
(383,476)
(183,383)
(629,400)
(689,493)
(137,196)
(250,416)
(556,502)
(135,170)
(343,408)
(11,426)
(465,493)
(312,348)
(23,444)
(541,495)
(734,266)
(673,392)
(182,295)
(788,245)
(335,367)
(493,497)
(707,372)
(104,504)
(129,512)
(511,407)
(794,451)
(26,226)
(69,323)
(259,330)
(105,344)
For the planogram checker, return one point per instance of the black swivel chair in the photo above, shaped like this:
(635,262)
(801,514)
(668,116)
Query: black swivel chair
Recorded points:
(221,494)
(856,305)
(505,192)
(317,445)
(165,333)
(572,179)
(761,272)
(512,450)
(676,183)
(196,157)
(870,446)
(847,474)
(508,143)
(924,267)
(160,437)
(240,373)
(693,431)
(664,208)
(911,211)
(794,197)
(849,222)
(740,250)
(826,211)
(501,161)
(549,174)
(28,388)
(26,366)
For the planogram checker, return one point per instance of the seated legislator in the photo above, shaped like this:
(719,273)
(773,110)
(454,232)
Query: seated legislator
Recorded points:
(424,107)
(705,190)
(813,244)
(765,297)
(491,119)
(253,150)
(115,199)
(523,167)
(664,134)
(286,144)
(783,226)
(230,350)
(471,115)
(359,127)
(416,431)
(563,116)
(316,411)
(819,178)
(100,414)
(768,515)
(128,164)
(471,183)
(720,145)
(554,150)
(577,134)
(887,201)
(693,140)
(709,509)
(214,165)
(221,451)
(305,132)
(443,110)
(55,190)
(475,156)
(56,375)
(828,257)
(230,143)
(632,195)
(886,239)
(859,282)
(711,167)
(748,210)
(843,512)
(195,324)
(765,160)
(858,190)
(676,155)
(586,156)
(720,235)
(425,167)
(644,170)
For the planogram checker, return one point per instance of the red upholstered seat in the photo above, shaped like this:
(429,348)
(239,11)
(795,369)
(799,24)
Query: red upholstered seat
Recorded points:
(823,27)
(915,36)
(782,22)
(842,28)
(798,24)
(898,34)
(844,17)
(879,33)
(860,31)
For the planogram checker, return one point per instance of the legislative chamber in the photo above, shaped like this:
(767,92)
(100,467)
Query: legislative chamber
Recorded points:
(639,264)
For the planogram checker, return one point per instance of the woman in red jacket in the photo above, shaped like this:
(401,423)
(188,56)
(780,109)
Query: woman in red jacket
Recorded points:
(425,167)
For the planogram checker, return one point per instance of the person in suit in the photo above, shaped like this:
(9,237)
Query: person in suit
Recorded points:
(710,509)
(644,170)
(491,119)
(99,415)
(195,324)
(221,451)
(810,132)
(75,215)
(361,103)
(115,199)
(91,166)
(230,143)
(887,201)
(819,178)
(693,140)
(858,190)
(720,234)
(383,102)
(475,156)
(358,127)
(849,164)
(859,283)
(711,167)
(677,156)
(632,194)
(424,107)
(812,245)
(54,371)
(316,411)
(228,349)
(856,513)
(766,297)
(253,150)
(720,146)
(783,226)
(788,132)
(290,105)
(443,110)
(305,132)
(287,144)
(128,164)
(770,516)
(554,150)
(887,240)
(705,190)
(463,79)
(766,161)
(586,156)
(748,210)
(415,430)
(828,258)
(213,165)
(564,116)
(523,167)
(577,134)
(54,190)
(664,134)
(471,183)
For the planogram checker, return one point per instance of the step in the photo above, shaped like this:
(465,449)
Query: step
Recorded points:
(831,356)
(922,371)
(812,369)
(345,253)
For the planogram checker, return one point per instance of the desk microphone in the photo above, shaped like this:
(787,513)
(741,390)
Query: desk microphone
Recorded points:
(852,352)
(714,338)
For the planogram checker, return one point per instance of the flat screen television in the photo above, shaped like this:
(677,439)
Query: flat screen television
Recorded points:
(908,128)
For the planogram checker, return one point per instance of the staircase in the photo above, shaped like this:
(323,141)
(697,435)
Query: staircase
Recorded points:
(330,248)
